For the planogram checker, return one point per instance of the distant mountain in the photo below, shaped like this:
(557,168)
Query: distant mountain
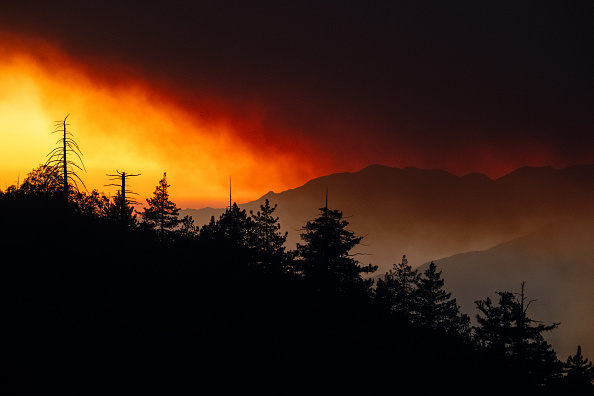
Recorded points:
(557,263)
(430,214)
(535,224)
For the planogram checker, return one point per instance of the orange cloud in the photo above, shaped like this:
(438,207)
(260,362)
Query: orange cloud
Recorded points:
(123,123)
(125,120)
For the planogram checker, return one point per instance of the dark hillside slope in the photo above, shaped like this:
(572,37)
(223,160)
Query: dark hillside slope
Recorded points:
(557,263)
(88,307)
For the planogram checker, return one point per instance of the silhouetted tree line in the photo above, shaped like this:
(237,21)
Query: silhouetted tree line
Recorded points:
(97,296)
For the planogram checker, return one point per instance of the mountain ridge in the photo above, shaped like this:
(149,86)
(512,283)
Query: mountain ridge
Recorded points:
(555,261)
(430,214)
(535,224)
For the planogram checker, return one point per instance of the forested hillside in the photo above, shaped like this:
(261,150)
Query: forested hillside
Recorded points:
(432,214)
(555,261)
(96,296)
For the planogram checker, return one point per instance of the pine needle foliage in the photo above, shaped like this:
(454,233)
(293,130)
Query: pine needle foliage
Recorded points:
(397,288)
(268,240)
(161,214)
(324,257)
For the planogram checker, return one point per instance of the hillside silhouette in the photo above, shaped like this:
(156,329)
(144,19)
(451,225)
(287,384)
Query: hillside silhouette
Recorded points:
(431,214)
(96,294)
(556,263)
(96,298)
(534,224)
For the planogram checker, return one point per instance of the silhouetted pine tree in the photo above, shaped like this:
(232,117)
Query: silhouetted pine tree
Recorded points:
(229,239)
(397,289)
(324,258)
(530,344)
(121,209)
(506,328)
(236,226)
(433,307)
(495,322)
(208,232)
(187,228)
(268,242)
(161,214)
(579,373)
(121,212)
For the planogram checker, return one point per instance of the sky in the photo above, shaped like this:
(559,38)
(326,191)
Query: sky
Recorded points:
(273,94)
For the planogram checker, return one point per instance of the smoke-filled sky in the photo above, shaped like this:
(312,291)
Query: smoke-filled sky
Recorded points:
(275,94)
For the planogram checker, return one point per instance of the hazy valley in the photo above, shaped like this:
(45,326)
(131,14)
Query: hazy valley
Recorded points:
(534,224)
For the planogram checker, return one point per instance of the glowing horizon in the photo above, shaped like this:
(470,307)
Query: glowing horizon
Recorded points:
(127,126)
(124,120)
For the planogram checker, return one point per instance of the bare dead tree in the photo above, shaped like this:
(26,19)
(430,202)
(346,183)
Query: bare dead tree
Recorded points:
(122,201)
(528,329)
(60,161)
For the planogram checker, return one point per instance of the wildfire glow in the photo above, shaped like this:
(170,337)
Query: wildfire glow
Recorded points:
(125,121)
(129,126)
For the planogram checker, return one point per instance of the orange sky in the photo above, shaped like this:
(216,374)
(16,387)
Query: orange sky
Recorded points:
(125,124)
(274,104)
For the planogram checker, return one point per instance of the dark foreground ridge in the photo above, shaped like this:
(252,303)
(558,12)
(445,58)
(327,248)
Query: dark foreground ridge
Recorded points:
(94,301)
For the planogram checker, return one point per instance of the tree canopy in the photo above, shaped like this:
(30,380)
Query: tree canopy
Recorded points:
(397,288)
(268,241)
(324,258)
(161,213)
(507,329)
